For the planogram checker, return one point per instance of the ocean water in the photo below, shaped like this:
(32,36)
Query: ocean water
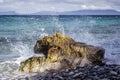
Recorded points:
(18,35)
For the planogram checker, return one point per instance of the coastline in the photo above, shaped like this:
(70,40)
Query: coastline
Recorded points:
(93,72)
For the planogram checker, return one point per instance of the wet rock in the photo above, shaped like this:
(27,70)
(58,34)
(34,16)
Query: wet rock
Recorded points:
(105,79)
(59,77)
(101,69)
(71,73)
(96,67)
(61,52)
(76,71)
(113,72)
(84,73)
(96,77)
(77,75)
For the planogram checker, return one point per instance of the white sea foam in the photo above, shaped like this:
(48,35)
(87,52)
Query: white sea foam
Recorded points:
(23,50)
(9,69)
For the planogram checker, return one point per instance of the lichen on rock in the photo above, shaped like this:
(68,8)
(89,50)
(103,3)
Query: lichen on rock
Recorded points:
(61,52)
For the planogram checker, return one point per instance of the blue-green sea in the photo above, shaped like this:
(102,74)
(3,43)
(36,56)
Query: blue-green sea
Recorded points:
(18,35)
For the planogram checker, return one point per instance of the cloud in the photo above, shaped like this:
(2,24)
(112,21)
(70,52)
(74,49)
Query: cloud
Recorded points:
(32,6)
(1,1)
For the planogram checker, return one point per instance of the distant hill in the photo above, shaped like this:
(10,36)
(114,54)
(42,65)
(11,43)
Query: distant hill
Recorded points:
(46,13)
(9,13)
(91,12)
(78,12)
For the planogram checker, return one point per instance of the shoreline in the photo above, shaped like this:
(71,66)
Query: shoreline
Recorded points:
(93,72)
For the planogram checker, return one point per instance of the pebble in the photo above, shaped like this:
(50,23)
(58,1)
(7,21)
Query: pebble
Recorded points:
(101,69)
(76,71)
(106,72)
(96,67)
(60,77)
(71,73)
(113,72)
(77,75)
(105,79)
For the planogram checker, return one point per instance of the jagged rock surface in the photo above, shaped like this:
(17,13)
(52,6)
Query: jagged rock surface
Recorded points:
(61,52)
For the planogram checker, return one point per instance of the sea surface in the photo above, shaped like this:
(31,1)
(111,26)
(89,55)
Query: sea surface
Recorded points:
(18,35)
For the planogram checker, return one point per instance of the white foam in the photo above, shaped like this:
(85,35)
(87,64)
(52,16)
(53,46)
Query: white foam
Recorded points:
(9,69)
(23,50)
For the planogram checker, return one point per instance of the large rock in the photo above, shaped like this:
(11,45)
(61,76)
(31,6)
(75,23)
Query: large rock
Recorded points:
(61,52)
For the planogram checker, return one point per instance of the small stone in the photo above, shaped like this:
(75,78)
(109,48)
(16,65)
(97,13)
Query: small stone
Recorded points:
(94,73)
(113,72)
(76,71)
(96,67)
(96,77)
(66,70)
(77,75)
(60,77)
(54,74)
(113,77)
(71,73)
(105,79)
(89,79)
(119,75)
(101,76)
(118,78)
(101,69)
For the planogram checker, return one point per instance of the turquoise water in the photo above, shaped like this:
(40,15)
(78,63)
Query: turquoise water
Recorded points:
(18,35)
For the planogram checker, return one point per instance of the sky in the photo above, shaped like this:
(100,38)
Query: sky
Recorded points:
(33,6)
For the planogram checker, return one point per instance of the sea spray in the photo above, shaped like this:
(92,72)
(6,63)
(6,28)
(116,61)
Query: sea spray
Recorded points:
(18,36)
(58,26)
(23,50)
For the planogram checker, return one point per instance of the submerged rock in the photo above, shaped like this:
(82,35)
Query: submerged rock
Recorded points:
(61,52)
